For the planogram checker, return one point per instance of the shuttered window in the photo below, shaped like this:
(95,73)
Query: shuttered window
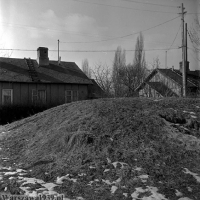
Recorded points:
(71,95)
(7,96)
(42,96)
(38,96)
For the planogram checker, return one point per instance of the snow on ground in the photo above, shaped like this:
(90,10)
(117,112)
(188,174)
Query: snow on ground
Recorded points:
(193,174)
(154,194)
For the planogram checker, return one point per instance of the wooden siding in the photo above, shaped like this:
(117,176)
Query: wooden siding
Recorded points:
(168,82)
(147,91)
(55,93)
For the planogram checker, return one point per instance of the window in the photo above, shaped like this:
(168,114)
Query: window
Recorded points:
(7,96)
(42,96)
(38,96)
(71,95)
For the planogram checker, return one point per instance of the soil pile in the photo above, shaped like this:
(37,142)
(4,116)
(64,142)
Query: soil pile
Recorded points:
(96,137)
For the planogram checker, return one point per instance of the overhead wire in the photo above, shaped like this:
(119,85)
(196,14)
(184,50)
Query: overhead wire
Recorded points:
(124,36)
(155,4)
(108,5)
(175,37)
(82,51)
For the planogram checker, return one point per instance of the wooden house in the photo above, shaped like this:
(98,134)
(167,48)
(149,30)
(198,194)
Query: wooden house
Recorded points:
(41,81)
(168,83)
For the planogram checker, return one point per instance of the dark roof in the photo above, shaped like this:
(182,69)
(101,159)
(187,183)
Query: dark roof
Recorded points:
(16,70)
(162,89)
(176,76)
(193,79)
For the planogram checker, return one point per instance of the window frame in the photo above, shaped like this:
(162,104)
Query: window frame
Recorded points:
(36,97)
(72,96)
(11,95)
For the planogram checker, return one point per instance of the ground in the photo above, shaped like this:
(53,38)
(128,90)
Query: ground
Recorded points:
(109,149)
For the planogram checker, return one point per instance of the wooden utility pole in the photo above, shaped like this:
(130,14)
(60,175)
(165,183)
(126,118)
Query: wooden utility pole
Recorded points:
(58,52)
(186,48)
(183,52)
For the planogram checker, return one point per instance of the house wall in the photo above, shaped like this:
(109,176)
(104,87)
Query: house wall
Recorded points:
(147,91)
(168,82)
(55,93)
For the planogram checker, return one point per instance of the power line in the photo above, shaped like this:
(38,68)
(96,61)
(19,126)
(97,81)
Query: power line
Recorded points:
(87,51)
(108,5)
(175,36)
(151,3)
(124,36)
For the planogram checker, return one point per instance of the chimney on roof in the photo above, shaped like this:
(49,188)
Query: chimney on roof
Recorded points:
(42,56)
(187,67)
(172,67)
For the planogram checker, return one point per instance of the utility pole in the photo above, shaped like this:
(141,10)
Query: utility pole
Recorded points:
(58,52)
(186,54)
(166,59)
(183,52)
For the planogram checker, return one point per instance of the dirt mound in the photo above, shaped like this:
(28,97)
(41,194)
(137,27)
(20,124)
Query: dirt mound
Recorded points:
(75,137)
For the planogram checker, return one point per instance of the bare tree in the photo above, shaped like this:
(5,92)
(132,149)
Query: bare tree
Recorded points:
(132,75)
(139,60)
(118,64)
(103,76)
(194,35)
(85,68)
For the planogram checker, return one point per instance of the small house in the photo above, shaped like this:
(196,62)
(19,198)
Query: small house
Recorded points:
(168,83)
(41,81)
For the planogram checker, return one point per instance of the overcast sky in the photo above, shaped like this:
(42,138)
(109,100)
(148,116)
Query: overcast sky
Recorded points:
(96,25)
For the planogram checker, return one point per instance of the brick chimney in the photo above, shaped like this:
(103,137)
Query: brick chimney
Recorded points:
(187,67)
(42,56)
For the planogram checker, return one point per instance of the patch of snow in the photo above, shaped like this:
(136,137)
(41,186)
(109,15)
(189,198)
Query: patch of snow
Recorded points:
(189,189)
(197,107)
(10,173)
(106,170)
(82,174)
(118,180)
(20,170)
(111,139)
(49,186)
(143,177)
(11,177)
(137,192)
(193,116)
(92,167)
(125,194)
(178,193)
(138,169)
(155,195)
(79,198)
(22,174)
(192,113)
(25,189)
(73,179)
(33,194)
(109,161)
(113,189)
(32,180)
(96,180)
(41,189)
(121,163)
(60,179)
(107,182)
(184,198)
(193,174)
(185,111)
